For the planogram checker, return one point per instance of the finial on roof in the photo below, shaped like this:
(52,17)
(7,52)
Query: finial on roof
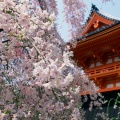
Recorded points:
(94,8)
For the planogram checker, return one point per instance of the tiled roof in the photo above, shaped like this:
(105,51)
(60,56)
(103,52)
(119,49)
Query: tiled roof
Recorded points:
(98,30)
(102,14)
(108,16)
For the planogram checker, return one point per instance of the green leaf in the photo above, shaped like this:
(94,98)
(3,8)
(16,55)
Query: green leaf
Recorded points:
(6,45)
(15,100)
(78,106)
(7,102)
(51,21)
(63,99)
(9,12)
(119,94)
(7,112)
(20,36)
(11,34)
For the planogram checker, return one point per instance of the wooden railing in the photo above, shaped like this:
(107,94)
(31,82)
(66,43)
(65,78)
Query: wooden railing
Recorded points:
(104,70)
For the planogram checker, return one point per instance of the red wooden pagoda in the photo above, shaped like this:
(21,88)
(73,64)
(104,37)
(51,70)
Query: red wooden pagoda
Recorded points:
(98,50)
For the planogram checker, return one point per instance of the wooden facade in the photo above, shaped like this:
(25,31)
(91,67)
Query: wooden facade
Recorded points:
(98,50)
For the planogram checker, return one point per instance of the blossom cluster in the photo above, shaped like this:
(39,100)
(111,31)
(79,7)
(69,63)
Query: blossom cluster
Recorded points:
(38,79)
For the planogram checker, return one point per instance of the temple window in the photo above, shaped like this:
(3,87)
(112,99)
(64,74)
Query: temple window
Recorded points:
(117,84)
(116,59)
(109,85)
(98,63)
(109,61)
(92,65)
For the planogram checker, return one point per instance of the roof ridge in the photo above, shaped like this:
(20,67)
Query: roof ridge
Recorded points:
(103,14)
(108,15)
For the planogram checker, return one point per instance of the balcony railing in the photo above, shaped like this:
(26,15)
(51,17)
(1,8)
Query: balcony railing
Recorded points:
(104,70)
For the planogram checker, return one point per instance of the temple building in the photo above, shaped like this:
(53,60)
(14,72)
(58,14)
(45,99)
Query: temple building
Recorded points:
(98,52)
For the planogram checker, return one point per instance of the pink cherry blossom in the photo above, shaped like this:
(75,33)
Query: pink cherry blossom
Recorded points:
(38,78)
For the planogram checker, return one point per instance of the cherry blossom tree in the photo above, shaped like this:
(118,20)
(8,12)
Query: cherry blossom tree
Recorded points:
(38,78)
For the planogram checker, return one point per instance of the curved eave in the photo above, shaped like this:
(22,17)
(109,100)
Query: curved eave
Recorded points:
(98,33)
(107,16)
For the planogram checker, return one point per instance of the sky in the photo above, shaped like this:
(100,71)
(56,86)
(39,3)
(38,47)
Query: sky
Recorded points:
(109,8)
